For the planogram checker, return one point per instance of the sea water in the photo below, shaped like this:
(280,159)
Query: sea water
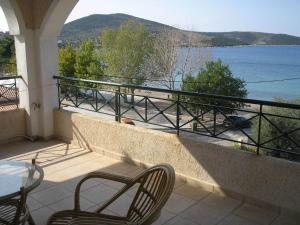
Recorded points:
(269,71)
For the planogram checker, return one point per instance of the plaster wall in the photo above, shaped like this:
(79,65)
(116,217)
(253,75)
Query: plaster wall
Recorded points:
(262,179)
(12,125)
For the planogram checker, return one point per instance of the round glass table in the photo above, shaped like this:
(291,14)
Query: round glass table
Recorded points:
(15,175)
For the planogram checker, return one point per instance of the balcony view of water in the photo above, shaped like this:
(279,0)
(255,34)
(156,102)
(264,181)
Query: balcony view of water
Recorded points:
(269,71)
(280,65)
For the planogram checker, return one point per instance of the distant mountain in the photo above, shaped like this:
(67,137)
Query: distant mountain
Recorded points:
(91,26)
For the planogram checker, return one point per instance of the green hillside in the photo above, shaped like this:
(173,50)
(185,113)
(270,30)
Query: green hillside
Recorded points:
(91,26)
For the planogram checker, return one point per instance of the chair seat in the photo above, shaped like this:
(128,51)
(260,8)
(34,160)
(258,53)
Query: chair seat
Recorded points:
(71,217)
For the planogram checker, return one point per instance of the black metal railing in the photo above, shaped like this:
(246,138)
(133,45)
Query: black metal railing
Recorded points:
(9,93)
(254,125)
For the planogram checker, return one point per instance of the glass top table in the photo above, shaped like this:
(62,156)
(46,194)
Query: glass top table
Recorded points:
(17,174)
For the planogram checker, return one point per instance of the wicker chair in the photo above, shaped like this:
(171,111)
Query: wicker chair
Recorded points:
(155,186)
(14,211)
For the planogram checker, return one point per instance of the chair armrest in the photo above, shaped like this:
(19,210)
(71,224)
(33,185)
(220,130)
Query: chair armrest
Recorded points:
(101,175)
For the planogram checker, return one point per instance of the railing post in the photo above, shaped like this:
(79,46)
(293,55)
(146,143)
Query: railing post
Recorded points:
(177,114)
(259,128)
(58,93)
(146,109)
(16,93)
(117,106)
(96,100)
(76,97)
(215,121)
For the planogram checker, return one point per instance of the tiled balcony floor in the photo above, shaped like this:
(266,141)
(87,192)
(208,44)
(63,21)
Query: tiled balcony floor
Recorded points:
(64,165)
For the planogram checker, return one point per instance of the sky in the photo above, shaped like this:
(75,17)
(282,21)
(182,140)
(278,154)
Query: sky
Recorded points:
(273,16)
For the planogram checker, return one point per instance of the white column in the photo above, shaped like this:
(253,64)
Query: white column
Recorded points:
(48,56)
(37,63)
(29,85)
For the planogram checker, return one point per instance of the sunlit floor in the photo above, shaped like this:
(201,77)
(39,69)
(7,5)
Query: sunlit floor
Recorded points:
(64,165)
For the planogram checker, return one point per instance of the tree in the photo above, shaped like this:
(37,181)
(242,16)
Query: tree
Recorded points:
(216,79)
(125,52)
(176,53)
(12,65)
(67,60)
(87,65)
(7,48)
(7,55)
(163,62)
(278,126)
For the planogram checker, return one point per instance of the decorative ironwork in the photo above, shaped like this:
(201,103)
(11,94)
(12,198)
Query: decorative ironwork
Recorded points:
(172,111)
(9,93)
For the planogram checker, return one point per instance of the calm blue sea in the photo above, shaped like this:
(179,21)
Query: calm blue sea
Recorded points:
(264,63)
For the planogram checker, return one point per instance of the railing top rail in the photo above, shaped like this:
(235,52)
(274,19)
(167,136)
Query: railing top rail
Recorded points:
(176,92)
(10,77)
(88,81)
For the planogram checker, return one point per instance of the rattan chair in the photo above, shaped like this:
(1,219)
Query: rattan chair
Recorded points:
(155,186)
(14,211)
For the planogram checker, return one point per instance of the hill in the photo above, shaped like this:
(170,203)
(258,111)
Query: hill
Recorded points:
(91,26)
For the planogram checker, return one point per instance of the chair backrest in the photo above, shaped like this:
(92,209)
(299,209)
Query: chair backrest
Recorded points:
(156,186)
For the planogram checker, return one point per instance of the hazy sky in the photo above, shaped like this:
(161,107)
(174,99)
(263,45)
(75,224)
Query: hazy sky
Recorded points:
(276,16)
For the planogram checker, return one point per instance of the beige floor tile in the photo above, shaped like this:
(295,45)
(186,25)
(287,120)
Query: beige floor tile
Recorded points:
(207,214)
(192,192)
(287,217)
(68,203)
(33,204)
(41,215)
(236,220)
(98,194)
(123,168)
(284,220)
(256,214)
(44,185)
(121,205)
(221,202)
(178,203)
(180,221)
(72,183)
(135,172)
(165,216)
(132,191)
(179,183)
(51,195)
(113,184)
(203,214)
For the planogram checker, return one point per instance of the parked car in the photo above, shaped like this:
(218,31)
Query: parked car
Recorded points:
(237,121)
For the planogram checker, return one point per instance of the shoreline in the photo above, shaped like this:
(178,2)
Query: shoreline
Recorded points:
(252,45)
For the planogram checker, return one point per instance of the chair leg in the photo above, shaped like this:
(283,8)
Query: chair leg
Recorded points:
(30,220)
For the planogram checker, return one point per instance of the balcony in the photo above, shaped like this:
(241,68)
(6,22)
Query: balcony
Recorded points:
(65,164)
(72,127)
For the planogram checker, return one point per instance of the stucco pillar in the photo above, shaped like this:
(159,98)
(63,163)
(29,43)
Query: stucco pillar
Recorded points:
(37,63)
(35,26)
(29,85)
